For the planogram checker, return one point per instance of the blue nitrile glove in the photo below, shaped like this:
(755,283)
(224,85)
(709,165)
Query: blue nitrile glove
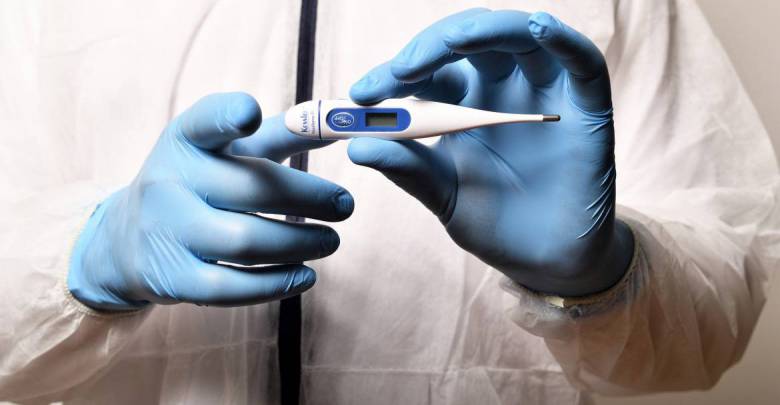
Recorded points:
(193,203)
(535,201)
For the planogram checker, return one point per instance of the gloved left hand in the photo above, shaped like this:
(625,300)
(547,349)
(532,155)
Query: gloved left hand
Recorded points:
(535,201)
(179,230)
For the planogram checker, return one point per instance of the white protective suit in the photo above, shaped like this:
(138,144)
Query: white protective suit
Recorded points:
(400,314)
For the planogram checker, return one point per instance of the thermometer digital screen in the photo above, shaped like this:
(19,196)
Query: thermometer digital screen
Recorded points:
(381,119)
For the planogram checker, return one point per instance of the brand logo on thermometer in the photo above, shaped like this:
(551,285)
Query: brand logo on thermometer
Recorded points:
(304,121)
(342,119)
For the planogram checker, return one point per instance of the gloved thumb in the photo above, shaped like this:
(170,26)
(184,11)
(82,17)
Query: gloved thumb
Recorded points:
(423,172)
(218,119)
(274,141)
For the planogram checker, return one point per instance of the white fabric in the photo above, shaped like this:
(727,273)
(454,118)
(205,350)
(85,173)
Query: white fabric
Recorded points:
(400,314)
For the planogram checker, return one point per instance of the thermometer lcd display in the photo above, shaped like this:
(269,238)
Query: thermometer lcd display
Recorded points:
(381,119)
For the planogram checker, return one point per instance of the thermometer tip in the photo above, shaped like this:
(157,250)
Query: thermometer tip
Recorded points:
(550,118)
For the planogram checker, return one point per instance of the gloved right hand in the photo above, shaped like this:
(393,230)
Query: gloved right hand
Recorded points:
(534,201)
(159,239)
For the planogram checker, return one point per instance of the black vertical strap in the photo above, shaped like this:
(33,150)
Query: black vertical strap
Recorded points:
(289,334)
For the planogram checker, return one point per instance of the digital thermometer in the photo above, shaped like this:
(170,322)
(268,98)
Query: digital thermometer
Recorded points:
(393,119)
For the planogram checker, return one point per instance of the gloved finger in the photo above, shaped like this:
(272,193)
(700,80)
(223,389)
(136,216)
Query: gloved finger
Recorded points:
(273,141)
(447,85)
(225,285)
(217,119)
(416,168)
(250,239)
(492,66)
(588,74)
(246,184)
(427,52)
(504,32)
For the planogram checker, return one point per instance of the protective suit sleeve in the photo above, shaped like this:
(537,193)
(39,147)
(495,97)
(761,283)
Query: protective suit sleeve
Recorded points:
(50,341)
(698,185)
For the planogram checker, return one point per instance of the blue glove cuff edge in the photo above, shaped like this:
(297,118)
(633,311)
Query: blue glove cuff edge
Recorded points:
(588,304)
(85,234)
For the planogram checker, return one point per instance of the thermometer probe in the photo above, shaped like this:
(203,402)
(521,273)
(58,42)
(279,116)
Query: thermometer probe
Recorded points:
(393,119)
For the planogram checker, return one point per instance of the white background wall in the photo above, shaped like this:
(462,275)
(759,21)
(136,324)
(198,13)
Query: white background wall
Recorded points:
(750,32)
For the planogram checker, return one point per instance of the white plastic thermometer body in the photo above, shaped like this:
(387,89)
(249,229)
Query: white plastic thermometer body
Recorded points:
(393,119)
